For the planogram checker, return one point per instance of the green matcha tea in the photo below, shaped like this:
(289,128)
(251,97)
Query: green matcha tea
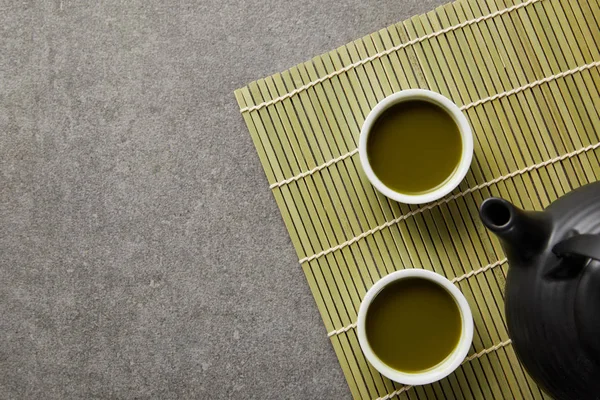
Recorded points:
(414,147)
(413,324)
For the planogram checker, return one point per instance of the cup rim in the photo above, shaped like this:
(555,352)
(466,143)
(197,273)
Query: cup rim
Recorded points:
(464,129)
(451,363)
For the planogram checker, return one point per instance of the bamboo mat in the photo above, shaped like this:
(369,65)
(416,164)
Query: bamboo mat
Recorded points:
(526,75)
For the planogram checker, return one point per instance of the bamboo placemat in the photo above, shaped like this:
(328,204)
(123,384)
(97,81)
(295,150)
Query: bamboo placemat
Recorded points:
(526,75)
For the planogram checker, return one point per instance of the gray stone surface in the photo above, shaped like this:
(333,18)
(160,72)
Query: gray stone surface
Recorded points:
(141,252)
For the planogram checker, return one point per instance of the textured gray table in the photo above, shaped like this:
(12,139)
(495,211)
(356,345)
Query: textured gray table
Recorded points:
(141,252)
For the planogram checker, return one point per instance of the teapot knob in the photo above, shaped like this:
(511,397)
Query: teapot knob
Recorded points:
(587,299)
(586,245)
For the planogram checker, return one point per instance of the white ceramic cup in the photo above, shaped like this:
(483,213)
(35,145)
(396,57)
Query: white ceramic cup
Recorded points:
(463,127)
(451,362)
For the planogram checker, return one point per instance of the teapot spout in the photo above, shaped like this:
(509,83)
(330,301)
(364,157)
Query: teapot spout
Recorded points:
(522,233)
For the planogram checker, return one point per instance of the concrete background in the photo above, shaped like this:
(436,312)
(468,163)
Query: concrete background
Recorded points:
(141,252)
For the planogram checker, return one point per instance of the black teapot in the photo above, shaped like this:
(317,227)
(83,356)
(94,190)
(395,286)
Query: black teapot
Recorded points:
(552,296)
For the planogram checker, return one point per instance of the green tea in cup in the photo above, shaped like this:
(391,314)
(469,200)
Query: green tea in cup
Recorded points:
(414,326)
(416,146)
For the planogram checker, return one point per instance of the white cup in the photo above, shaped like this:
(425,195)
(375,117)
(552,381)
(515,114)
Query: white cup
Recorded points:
(450,363)
(463,127)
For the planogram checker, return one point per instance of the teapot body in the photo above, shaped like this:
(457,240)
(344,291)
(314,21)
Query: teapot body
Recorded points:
(552,301)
